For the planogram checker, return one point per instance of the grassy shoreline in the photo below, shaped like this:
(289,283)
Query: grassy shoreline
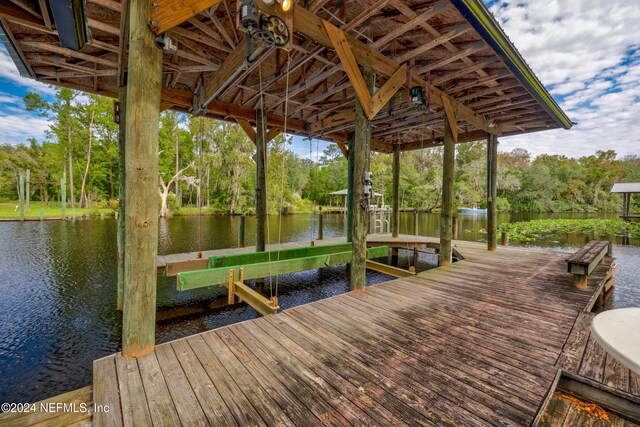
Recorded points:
(8,211)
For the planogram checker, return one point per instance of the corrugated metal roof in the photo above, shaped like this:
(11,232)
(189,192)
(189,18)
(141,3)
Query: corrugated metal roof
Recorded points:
(13,53)
(626,187)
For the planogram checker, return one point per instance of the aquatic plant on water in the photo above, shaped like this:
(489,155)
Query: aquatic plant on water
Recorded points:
(529,231)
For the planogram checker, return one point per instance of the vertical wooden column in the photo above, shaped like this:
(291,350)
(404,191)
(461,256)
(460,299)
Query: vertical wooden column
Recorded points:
(492,206)
(395,213)
(21,195)
(141,184)
(63,195)
(241,233)
(446,213)
(350,185)
(627,206)
(261,180)
(120,238)
(27,190)
(359,205)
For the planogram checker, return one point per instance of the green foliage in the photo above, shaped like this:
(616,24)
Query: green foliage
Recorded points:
(529,231)
(217,172)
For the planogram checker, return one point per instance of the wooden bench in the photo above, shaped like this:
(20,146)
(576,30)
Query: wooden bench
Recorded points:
(582,263)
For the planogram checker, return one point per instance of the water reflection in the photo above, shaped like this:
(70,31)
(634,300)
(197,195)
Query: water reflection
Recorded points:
(58,282)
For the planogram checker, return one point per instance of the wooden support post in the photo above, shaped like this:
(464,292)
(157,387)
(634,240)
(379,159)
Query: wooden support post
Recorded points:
(241,240)
(21,195)
(446,213)
(350,185)
(492,206)
(231,296)
(580,281)
(627,207)
(261,182)
(394,256)
(261,179)
(120,237)
(359,205)
(63,195)
(144,83)
(395,192)
(415,222)
(27,191)
(504,241)
(454,226)
(320,225)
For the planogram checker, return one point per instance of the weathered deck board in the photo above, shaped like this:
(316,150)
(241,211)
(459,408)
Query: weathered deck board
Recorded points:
(473,344)
(585,360)
(42,414)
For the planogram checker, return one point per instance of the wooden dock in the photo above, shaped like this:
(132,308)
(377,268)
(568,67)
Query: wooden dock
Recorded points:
(188,261)
(476,343)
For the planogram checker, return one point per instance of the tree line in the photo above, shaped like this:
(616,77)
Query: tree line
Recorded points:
(207,166)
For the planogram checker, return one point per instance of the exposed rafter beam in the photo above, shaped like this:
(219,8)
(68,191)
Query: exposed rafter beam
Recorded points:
(167,14)
(311,26)
(371,104)
(14,13)
(475,135)
(448,59)
(71,53)
(456,32)
(410,25)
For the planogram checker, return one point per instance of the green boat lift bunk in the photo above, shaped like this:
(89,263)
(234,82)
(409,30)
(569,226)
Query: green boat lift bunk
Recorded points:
(232,270)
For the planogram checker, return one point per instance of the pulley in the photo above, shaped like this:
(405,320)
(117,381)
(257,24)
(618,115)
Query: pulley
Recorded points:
(265,31)
(416,93)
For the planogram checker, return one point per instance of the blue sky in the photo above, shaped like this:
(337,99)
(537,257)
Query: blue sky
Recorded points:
(586,52)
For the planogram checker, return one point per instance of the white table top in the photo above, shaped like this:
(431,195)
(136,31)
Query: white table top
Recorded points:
(618,332)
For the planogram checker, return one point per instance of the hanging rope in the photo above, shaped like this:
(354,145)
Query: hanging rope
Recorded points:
(313,212)
(263,136)
(284,131)
(200,190)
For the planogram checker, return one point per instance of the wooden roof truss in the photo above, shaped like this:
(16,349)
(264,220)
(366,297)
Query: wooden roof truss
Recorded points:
(424,42)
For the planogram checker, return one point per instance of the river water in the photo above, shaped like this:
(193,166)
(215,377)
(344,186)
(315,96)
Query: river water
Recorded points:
(58,286)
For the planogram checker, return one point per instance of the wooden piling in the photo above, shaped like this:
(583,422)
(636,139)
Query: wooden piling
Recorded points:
(504,240)
(21,195)
(395,213)
(261,180)
(63,195)
(27,191)
(446,213)
(120,238)
(241,231)
(320,225)
(492,206)
(359,205)
(454,226)
(141,184)
(350,185)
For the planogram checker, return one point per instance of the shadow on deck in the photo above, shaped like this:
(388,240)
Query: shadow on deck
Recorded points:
(477,343)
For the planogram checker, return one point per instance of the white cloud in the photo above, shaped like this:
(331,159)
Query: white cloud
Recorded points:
(9,72)
(587,53)
(18,127)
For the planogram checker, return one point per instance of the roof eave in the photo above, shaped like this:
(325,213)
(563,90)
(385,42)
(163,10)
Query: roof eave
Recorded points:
(485,23)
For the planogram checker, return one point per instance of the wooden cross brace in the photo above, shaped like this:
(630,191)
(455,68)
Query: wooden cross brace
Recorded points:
(371,104)
(251,133)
